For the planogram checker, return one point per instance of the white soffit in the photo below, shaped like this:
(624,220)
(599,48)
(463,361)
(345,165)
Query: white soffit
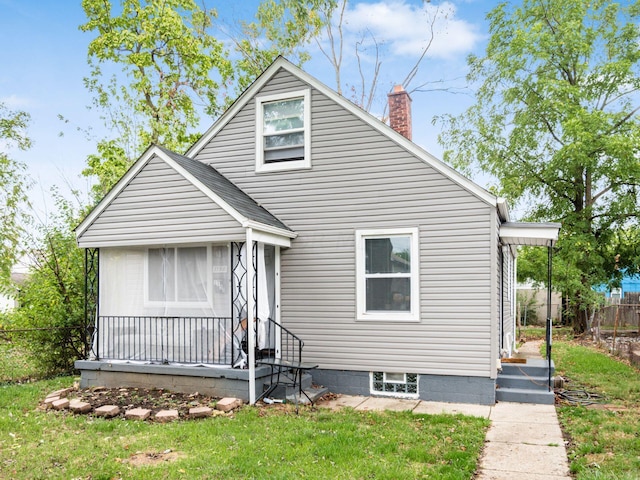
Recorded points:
(531,234)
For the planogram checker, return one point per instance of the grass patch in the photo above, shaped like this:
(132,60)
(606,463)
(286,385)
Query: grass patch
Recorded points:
(17,365)
(539,333)
(605,441)
(254,443)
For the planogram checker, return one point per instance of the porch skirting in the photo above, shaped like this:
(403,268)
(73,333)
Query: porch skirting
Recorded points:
(212,381)
(435,388)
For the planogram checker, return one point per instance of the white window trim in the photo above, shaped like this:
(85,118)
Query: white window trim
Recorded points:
(187,304)
(284,165)
(413,315)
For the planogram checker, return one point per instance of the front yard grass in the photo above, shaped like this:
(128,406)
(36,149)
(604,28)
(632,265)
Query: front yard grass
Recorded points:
(254,443)
(605,439)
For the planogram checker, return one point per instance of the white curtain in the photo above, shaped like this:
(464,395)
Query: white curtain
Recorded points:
(264,310)
(164,282)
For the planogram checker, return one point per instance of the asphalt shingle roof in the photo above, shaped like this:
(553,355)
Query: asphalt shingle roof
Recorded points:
(225,189)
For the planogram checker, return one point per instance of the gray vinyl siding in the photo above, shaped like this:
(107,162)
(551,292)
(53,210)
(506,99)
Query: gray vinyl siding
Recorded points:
(160,207)
(360,179)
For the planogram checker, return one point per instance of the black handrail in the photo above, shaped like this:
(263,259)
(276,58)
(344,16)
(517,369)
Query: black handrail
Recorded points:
(290,344)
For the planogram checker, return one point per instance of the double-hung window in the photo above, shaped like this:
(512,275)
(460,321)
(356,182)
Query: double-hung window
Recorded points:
(283,131)
(387,271)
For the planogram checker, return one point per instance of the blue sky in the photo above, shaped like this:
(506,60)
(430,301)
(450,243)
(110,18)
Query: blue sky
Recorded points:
(43,62)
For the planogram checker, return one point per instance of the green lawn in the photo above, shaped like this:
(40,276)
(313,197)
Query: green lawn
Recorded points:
(605,442)
(254,443)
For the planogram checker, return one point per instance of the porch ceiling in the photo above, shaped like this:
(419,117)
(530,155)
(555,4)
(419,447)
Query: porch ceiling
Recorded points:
(531,234)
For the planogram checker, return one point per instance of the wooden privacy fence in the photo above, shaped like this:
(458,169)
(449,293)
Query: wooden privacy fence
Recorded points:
(623,317)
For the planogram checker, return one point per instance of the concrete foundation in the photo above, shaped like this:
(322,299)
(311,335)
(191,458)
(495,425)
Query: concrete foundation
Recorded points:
(436,388)
(215,382)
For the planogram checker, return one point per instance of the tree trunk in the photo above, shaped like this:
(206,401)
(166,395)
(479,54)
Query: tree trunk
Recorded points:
(579,322)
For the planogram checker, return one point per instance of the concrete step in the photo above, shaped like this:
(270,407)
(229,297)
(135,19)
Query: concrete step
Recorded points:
(520,395)
(314,393)
(284,390)
(535,367)
(524,382)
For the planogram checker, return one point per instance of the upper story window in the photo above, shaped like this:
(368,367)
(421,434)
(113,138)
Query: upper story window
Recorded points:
(387,271)
(283,131)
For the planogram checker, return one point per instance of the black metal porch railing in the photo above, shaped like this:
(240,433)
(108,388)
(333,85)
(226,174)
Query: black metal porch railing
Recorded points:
(187,340)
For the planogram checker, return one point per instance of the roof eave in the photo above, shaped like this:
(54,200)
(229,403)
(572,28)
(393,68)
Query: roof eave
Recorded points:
(532,234)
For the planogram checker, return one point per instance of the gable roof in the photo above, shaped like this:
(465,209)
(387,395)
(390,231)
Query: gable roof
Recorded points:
(229,192)
(206,179)
(419,152)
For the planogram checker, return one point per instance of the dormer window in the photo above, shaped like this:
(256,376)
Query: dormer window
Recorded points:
(283,131)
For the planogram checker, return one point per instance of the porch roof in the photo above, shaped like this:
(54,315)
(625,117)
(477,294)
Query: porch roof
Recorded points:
(225,189)
(531,234)
(226,195)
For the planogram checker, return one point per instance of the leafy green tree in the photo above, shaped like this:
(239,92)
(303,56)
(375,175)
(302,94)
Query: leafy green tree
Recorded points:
(52,297)
(170,69)
(282,27)
(13,187)
(167,67)
(556,123)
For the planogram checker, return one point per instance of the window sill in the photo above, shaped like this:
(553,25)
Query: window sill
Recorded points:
(391,318)
(283,166)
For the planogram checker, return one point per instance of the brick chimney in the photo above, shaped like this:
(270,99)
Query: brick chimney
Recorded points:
(400,111)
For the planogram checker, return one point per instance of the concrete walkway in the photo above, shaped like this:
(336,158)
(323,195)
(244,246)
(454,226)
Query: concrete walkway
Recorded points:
(524,441)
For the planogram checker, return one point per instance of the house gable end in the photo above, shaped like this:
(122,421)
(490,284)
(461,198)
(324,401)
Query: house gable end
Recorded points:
(157,207)
(166,198)
(281,64)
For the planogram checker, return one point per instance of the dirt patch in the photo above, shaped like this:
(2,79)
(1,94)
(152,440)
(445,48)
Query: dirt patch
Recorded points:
(148,398)
(153,458)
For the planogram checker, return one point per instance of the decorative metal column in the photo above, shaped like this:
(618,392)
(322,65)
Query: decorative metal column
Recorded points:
(91,301)
(238,302)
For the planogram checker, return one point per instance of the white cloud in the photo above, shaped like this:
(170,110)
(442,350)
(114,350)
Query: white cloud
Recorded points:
(15,102)
(406,28)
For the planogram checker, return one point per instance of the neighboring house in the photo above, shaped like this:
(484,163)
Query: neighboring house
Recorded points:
(9,298)
(7,302)
(397,272)
(629,284)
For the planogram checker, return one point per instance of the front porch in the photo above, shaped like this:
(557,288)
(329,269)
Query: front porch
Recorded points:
(215,381)
(196,354)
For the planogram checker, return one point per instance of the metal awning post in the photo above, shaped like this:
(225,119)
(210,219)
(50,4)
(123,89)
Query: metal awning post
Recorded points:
(548,332)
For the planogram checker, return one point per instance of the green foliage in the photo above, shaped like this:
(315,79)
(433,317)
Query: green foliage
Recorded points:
(13,186)
(170,67)
(555,122)
(109,164)
(17,364)
(282,27)
(52,297)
